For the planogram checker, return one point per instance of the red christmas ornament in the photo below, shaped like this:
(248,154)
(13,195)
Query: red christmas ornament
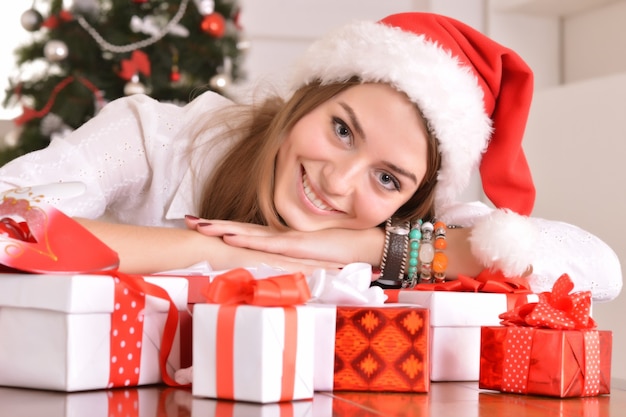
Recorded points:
(214,24)
(175,75)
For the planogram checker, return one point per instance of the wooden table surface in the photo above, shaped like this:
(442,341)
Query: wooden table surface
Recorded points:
(445,399)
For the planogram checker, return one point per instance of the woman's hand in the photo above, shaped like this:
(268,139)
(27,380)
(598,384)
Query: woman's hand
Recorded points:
(146,250)
(337,246)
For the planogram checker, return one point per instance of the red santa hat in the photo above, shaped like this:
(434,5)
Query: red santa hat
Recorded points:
(475,95)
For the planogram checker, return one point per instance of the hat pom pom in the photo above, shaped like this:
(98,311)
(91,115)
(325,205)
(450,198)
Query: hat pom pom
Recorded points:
(504,241)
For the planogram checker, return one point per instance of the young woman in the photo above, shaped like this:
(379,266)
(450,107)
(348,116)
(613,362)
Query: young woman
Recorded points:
(385,125)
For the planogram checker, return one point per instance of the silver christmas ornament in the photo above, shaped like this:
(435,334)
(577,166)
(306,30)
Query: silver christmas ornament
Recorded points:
(55,50)
(31,20)
(134,87)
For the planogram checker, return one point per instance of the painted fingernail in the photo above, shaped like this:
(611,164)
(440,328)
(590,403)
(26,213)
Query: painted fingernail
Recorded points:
(191,217)
(204,224)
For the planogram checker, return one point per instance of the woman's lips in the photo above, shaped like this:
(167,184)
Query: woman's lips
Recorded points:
(313,198)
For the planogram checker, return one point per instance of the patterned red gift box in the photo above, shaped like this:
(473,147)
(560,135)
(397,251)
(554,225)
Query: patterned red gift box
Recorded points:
(550,347)
(372,348)
(559,363)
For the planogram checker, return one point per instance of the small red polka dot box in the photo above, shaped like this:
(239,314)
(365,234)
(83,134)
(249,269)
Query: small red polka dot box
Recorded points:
(372,348)
(549,348)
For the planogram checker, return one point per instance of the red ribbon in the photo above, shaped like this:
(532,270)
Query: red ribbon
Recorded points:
(133,288)
(237,287)
(29,113)
(557,309)
(55,20)
(486,281)
(138,63)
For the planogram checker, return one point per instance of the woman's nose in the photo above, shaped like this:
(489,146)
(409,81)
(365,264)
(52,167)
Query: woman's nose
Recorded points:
(342,177)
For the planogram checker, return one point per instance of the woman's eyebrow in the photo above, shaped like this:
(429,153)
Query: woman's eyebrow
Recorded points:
(353,119)
(401,171)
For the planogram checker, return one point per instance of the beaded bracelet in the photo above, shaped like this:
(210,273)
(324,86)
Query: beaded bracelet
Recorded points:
(415,235)
(440,260)
(426,252)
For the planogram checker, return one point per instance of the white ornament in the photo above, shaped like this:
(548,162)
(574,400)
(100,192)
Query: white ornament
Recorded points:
(89,8)
(12,138)
(220,81)
(205,7)
(134,86)
(154,25)
(55,50)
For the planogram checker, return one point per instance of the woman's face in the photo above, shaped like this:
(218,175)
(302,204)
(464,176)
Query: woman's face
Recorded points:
(352,161)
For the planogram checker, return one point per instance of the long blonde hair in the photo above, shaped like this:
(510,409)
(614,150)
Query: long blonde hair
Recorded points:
(241,186)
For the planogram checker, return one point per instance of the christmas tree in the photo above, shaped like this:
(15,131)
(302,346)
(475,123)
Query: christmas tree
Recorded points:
(94,51)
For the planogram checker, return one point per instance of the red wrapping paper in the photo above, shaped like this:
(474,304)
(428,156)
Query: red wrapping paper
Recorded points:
(382,349)
(548,348)
(555,365)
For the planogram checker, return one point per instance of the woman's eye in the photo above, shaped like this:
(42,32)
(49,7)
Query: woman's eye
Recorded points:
(388,181)
(342,131)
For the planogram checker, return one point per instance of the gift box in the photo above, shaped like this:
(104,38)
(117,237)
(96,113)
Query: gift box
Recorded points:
(254,340)
(549,348)
(559,363)
(456,316)
(83,332)
(377,348)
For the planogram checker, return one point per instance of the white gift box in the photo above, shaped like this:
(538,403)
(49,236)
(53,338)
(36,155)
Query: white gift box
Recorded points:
(455,320)
(56,331)
(257,339)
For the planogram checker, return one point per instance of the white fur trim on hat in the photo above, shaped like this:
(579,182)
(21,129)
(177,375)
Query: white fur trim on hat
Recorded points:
(505,241)
(446,92)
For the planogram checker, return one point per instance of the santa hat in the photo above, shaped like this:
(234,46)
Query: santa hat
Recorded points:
(474,93)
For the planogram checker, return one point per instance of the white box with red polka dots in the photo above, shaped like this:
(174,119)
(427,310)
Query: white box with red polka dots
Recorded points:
(83,332)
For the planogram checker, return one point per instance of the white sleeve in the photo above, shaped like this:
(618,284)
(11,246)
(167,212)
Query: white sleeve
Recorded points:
(107,153)
(559,248)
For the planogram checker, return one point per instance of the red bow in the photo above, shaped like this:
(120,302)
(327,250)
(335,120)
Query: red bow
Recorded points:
(138,63)
(55,20)
(486,281)
(555,310)
(238,286)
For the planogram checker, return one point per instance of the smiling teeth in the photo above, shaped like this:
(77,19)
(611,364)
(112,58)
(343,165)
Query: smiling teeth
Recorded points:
(311,195)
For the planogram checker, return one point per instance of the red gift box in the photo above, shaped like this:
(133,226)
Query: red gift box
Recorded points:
(548,348)
(559,363)
(374,348)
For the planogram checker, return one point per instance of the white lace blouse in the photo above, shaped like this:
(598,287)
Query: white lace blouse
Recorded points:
(134,160)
